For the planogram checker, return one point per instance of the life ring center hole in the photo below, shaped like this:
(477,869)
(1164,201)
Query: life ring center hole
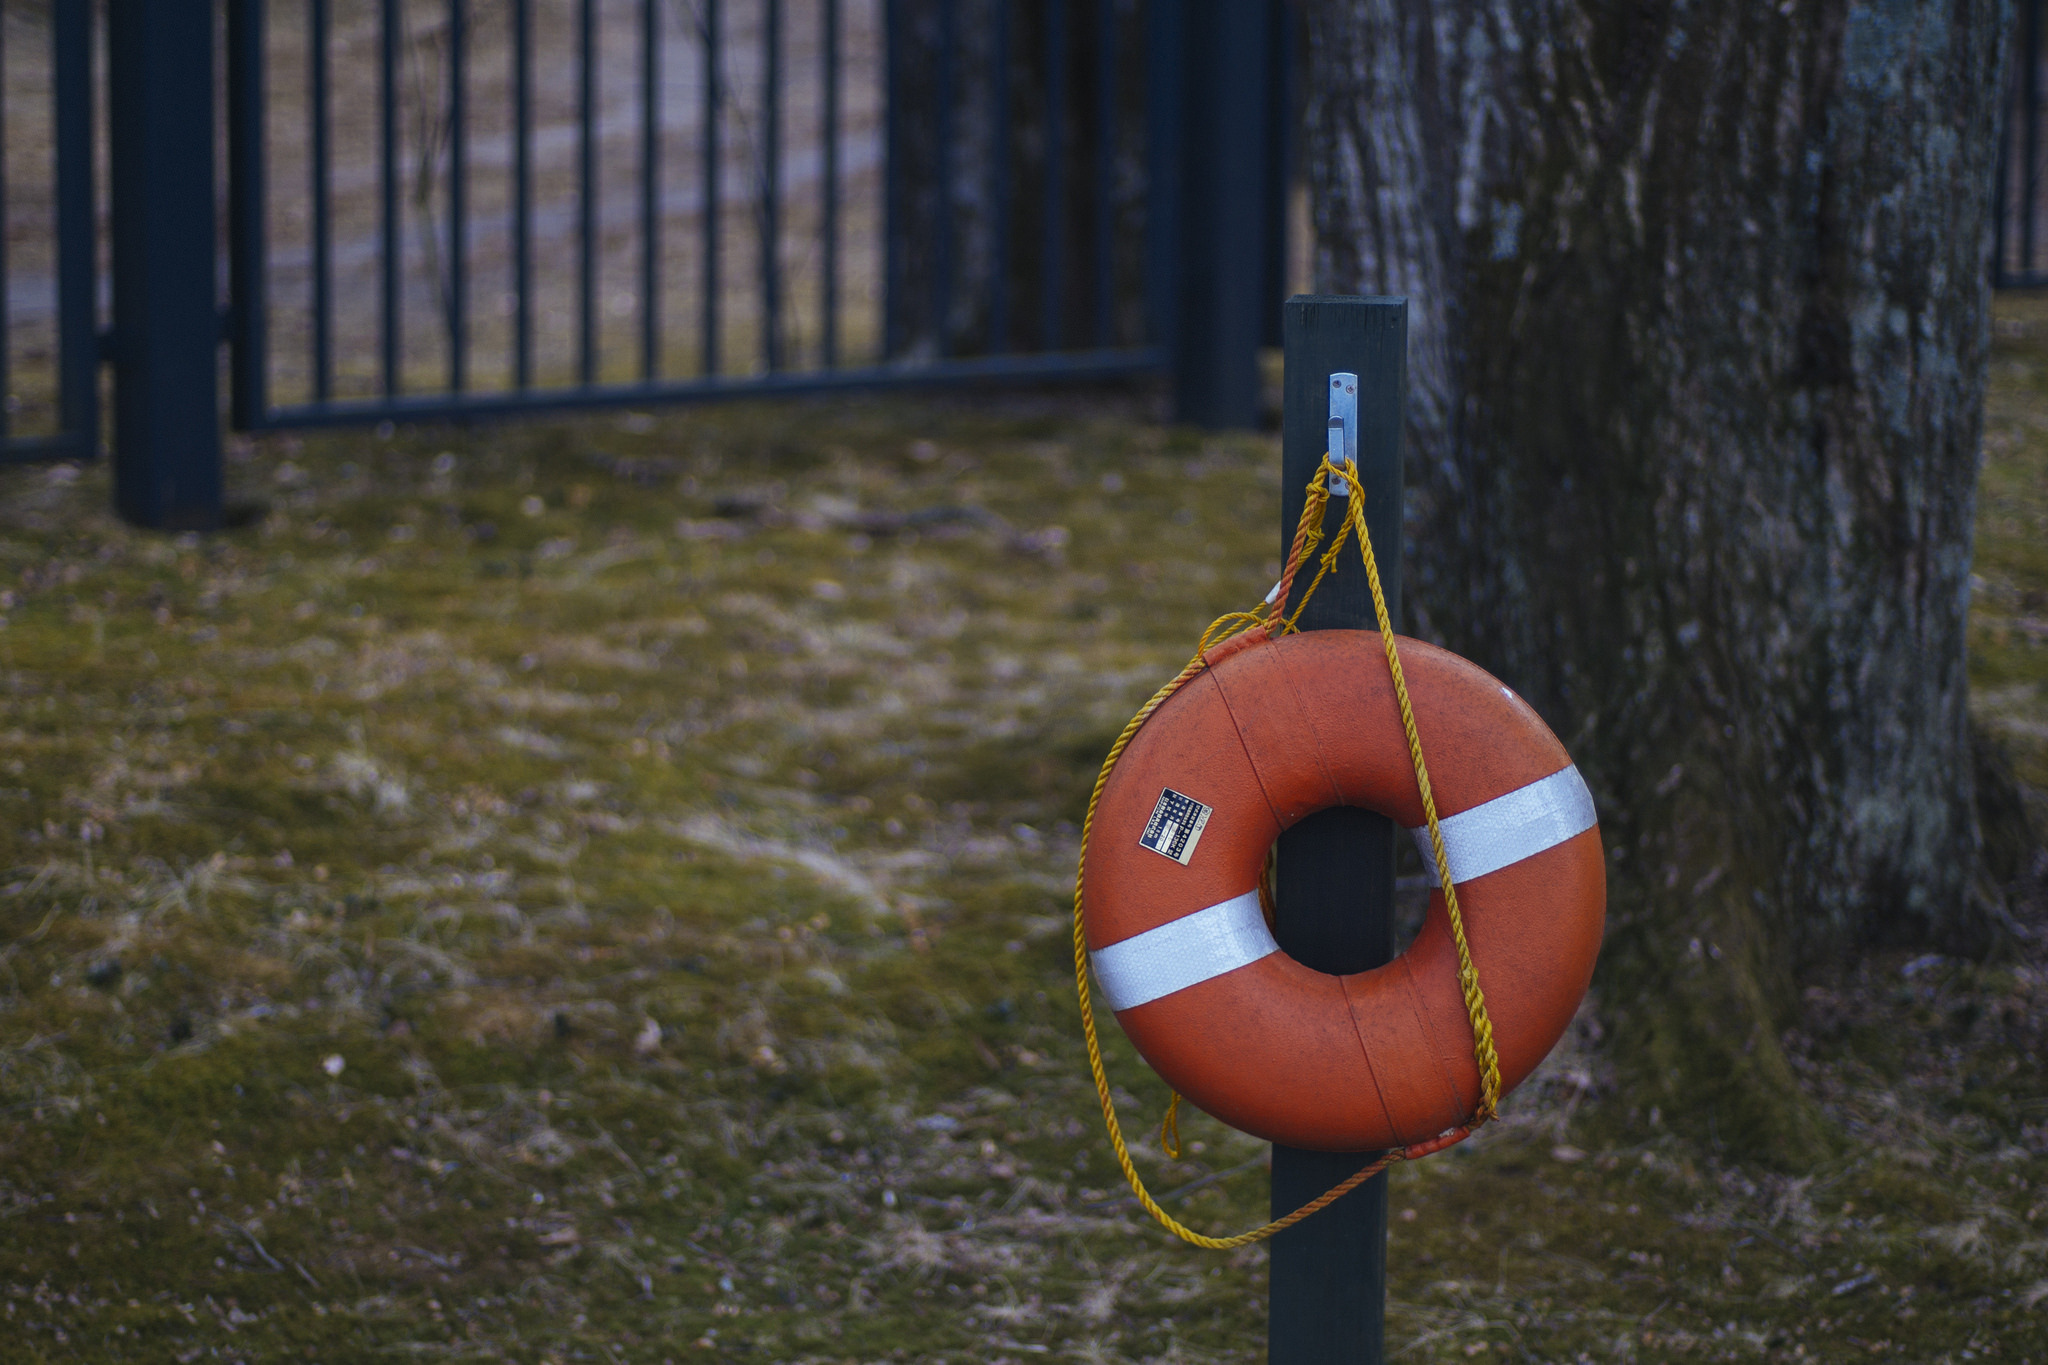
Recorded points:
(1413,883)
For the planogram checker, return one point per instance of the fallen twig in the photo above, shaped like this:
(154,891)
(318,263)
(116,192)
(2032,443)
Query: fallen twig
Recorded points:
(268,1259)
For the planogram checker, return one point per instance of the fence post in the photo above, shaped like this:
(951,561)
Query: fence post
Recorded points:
(1335,886)
(1220,211)
(167,327)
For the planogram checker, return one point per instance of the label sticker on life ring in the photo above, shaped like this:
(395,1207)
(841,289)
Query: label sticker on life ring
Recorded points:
(1176,826)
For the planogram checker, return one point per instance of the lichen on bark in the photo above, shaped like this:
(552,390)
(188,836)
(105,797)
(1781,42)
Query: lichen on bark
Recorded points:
(1700,322)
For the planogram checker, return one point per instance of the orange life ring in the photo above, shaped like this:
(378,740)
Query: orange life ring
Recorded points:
(1272,731)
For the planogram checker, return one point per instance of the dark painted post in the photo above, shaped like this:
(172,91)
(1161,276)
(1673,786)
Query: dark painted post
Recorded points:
(1335,884)
(166,345)
(1220,222)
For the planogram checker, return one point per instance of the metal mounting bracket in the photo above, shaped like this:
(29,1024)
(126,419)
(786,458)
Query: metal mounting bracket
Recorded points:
(1343,443)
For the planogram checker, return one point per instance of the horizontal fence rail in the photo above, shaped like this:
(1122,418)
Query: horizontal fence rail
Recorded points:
(454,207)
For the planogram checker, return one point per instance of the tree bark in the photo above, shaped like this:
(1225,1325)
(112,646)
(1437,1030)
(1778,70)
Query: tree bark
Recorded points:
(1699,322)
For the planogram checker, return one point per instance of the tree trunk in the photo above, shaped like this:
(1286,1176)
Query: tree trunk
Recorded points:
(1699,324)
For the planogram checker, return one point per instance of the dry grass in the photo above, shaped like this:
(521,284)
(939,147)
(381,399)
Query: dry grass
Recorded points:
(596,891)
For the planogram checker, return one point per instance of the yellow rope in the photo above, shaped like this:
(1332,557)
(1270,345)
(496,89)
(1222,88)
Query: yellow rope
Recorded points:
(1308,534)
(1483,1050)
(1169,1129)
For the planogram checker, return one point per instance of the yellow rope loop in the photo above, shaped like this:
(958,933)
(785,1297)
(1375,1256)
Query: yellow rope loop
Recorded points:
(1169,1129)
(1308,535)
(1221,629)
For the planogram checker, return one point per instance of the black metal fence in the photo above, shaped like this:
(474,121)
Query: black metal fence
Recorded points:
(512,205)
(454,208)
(450,208)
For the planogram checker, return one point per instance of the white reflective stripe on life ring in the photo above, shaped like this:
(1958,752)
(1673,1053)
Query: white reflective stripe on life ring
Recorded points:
(1184,952)
(1509,828)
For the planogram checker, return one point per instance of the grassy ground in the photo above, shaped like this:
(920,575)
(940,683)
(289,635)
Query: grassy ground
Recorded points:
(597,891)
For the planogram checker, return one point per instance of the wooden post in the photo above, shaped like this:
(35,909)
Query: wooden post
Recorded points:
(1335,888)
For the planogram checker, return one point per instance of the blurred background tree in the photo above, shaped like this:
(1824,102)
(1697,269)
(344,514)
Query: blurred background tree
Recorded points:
(1699,322)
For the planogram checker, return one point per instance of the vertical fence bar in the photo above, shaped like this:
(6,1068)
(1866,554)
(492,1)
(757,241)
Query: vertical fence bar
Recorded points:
(458,197)
(2030,135)
(319,174)
(999,163)
(6,312)
(248,245)
(895,175)
(2001,181)
(391,245)
(1334,892)
(650,190)
(78,362)
(160,123)
(1166,43)
(586,192)
(829,302)
(710,169)
(522,193)
(1105,169)
(771,187)
(1052,266)
(945,228)
(1278,130)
